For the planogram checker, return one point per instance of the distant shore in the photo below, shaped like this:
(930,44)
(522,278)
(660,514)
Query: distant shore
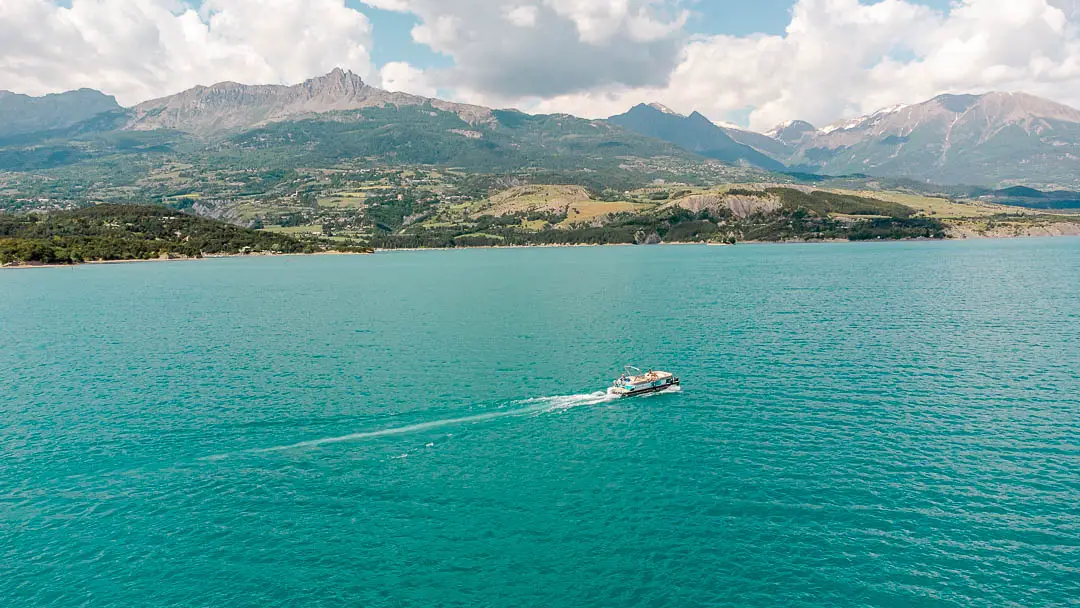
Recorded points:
(538,246)
(181,259)
(959,236)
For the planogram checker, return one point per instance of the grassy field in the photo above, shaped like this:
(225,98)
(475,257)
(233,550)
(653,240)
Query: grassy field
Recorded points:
(349,200)
(937,207)
(573,201)
(583,212)
(294,229)
(1004,226)
(533,198)
(483,235)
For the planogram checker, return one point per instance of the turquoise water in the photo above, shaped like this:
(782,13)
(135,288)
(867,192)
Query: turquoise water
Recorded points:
(860,425)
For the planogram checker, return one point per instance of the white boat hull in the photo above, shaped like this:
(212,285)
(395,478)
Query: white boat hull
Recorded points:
(655,387)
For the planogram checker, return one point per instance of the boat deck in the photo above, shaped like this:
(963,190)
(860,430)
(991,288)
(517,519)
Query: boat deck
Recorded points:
(649,377)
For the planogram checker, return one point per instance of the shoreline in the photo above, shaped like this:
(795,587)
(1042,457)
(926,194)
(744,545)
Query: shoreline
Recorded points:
(212,256)
(960,238)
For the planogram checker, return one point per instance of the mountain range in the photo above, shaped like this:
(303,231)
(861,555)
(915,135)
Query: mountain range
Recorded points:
(21,114)
(996,139)
(992,140)
(315,124)
(229,106)
(694,133)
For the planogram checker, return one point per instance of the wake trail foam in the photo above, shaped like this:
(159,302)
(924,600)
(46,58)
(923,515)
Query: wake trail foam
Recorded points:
(536,406)
(403,430)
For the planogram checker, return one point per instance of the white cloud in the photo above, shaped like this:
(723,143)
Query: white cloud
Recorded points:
(840,58)
(138,49)
(400,76)
(600,21)
(510,48)
(522,16)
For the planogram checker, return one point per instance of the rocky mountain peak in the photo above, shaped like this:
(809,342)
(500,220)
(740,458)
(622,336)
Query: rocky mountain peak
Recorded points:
(1022,106)
(956,103)
(337,80)
(695,133)
(662,108)
(791,132)
(699,117)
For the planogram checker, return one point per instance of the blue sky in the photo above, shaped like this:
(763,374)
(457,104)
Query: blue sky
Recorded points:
(392,39)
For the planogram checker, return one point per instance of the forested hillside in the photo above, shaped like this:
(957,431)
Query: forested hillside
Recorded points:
(130,232)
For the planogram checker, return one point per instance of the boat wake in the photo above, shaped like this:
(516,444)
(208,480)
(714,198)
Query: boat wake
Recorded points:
(667,391)
(528,407)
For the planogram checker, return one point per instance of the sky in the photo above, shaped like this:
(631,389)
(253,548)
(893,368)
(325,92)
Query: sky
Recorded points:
(755,63)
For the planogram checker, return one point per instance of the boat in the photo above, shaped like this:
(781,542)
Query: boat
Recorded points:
(633,382)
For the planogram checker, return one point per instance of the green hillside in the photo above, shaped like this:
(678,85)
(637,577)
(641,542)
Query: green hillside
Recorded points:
(130,232)
(423,135)
(98,162)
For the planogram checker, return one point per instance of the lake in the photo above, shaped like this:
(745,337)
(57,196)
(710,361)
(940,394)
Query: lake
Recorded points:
(892,424)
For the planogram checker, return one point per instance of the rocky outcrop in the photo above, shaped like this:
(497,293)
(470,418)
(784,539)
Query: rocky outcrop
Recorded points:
(643,238)
(740,205)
